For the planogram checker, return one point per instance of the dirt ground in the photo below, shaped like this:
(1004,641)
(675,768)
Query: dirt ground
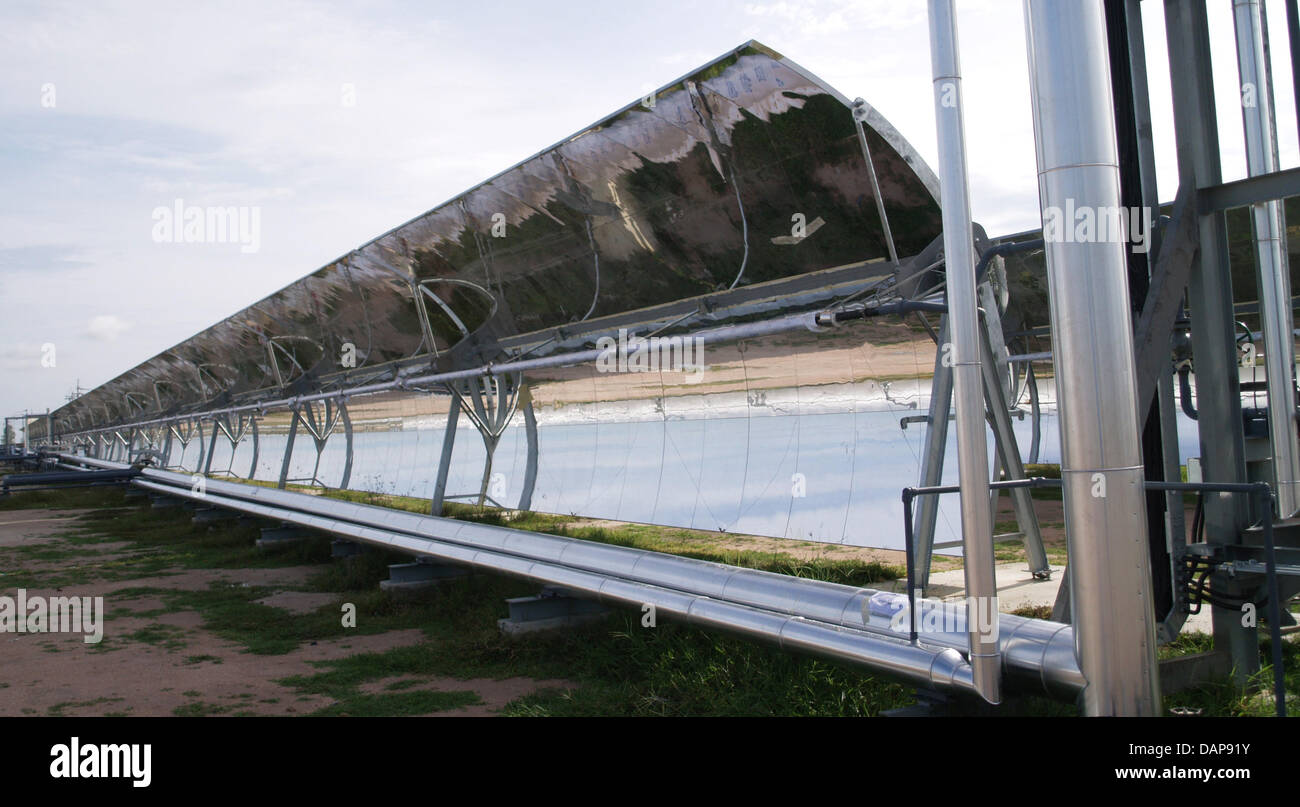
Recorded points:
(60,674)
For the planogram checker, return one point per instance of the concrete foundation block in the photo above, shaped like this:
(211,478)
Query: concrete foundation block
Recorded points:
(552,609)
(340,548)
(409,577)
(276,537)
(1186,672)
(211,515)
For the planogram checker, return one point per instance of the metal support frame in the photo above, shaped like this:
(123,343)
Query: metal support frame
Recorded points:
(321,423)
(860,111)
(490,402)
(1271,260)
(185,431)
(1260,491)
(235,432)
(1209,296)
(1008,450)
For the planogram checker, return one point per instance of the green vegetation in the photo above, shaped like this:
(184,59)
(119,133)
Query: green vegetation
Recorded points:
(672,540)
(611,667)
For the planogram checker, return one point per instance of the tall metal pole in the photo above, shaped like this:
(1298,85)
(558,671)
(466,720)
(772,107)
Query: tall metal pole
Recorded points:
(1092,341)
(1274,277)
(964,350)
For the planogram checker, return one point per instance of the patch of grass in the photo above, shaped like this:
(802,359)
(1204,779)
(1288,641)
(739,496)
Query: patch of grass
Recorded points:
(1223,697)
(157,634)
(200,709)
(232,612)
(677,541)
(1034,611)
(192,660)
(619,668)
(71,498)
(400,685)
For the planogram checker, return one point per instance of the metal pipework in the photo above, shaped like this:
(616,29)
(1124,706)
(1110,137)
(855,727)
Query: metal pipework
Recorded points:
(721,334)
(1092,339)
(1273,272)
(964,350)
(942,668)
(1036,652)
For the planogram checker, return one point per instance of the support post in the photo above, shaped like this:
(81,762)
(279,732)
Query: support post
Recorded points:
(288,447)
(1092,341)
(932,456)
(968,393)
(1209,296)
(444,460)
(1270,256)
(530,468)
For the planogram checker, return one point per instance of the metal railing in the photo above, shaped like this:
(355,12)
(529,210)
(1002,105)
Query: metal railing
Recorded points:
(1260,492)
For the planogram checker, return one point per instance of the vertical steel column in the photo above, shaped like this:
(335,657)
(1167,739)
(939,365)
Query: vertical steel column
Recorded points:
(963,319)
(932,456)
(530,466)
(212,447)
(1092,341)
(444,461)
(1209,293)
(1004,435)
(198,425)
(1274,277)
(288,447)
(347,443)
(252,468)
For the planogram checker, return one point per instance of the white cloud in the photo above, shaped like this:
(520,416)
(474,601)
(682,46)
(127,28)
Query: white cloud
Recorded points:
(107,327)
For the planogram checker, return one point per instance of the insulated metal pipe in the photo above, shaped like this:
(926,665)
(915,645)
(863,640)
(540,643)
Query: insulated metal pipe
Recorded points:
(1092,339)
(1036,652)
(942,668)
(1271,260)
(964,352)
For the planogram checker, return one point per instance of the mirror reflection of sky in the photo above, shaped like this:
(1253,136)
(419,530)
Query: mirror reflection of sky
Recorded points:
(827,477)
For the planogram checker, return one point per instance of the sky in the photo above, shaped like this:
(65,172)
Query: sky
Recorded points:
(340,121)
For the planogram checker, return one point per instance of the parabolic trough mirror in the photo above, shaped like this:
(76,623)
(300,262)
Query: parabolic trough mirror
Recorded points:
(742,194)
